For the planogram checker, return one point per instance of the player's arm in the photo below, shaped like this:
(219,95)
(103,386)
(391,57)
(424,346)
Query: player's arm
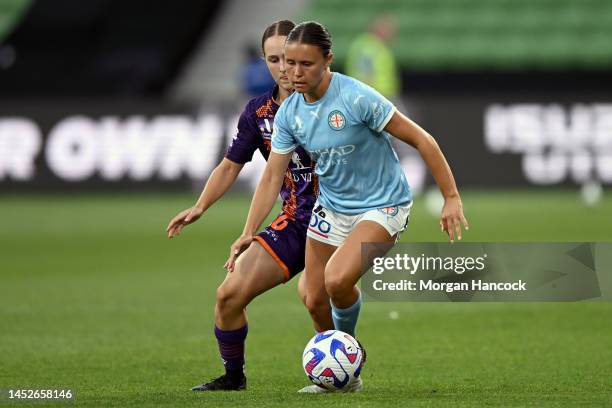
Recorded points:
(263,201)
(408,131)
(220,180)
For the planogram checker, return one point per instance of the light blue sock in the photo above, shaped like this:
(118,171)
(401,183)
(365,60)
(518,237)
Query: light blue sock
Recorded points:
(346,319)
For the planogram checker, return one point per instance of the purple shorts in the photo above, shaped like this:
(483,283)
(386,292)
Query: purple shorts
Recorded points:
(285,240)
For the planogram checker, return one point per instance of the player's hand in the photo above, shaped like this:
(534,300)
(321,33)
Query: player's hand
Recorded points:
(182,219)
(238,247)
(452,217)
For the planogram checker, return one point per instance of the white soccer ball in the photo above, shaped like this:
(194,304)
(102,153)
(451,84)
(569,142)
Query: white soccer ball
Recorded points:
(332,359)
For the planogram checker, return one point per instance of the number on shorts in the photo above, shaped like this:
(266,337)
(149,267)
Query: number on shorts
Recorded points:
(280,223)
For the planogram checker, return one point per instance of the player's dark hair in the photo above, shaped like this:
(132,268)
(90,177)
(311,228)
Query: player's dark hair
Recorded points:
(312,33)
(281,27)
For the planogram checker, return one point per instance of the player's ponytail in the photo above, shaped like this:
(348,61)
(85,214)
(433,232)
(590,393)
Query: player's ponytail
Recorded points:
(312,33)
(281,27)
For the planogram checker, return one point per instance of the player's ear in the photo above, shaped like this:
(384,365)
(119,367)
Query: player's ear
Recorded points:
(329,59)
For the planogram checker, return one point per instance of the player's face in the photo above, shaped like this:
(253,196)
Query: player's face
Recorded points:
(305,65)
(273,53)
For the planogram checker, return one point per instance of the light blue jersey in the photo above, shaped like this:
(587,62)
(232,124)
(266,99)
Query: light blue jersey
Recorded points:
(343,132)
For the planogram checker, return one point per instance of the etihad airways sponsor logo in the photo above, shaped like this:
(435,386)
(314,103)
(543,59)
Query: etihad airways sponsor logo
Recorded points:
(333,155)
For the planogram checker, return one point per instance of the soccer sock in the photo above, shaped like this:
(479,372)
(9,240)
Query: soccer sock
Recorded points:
(231,348)
(346,319)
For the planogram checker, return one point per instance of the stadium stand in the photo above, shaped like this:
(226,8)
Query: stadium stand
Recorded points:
(212,71)
(10,12)
(100,47)
(481,34)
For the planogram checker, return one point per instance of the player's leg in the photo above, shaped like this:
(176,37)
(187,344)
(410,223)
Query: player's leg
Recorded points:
(256,271)
(312,290)
(313,280)
(344,270)
(302,288)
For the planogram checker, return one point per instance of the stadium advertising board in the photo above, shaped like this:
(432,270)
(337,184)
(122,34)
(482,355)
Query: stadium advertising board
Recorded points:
(518,140)
(147,145)
(108,145)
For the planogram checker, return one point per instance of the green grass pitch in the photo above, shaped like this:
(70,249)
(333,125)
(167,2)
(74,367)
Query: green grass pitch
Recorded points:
(93,297)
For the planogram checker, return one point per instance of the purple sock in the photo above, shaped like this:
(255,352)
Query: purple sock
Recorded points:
(231,347)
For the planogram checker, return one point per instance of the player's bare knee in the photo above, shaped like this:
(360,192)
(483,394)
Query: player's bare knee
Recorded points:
(317,305)
(303,297)
(302,293)
(223,296)
(336,286)
(227,300)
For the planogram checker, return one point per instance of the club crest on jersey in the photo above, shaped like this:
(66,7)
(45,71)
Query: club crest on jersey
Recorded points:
(336,120)
(390,211)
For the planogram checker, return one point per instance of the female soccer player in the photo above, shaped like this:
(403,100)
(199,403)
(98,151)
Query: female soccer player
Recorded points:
(364,197)
(278,251)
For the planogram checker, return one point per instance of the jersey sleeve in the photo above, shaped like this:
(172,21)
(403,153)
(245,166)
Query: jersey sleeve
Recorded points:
(246,140)
(373,109)
(283,141)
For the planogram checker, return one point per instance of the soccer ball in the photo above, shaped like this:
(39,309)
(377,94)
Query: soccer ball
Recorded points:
(332,359)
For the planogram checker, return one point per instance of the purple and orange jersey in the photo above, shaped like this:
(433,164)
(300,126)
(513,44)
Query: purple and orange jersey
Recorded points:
(255,126)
